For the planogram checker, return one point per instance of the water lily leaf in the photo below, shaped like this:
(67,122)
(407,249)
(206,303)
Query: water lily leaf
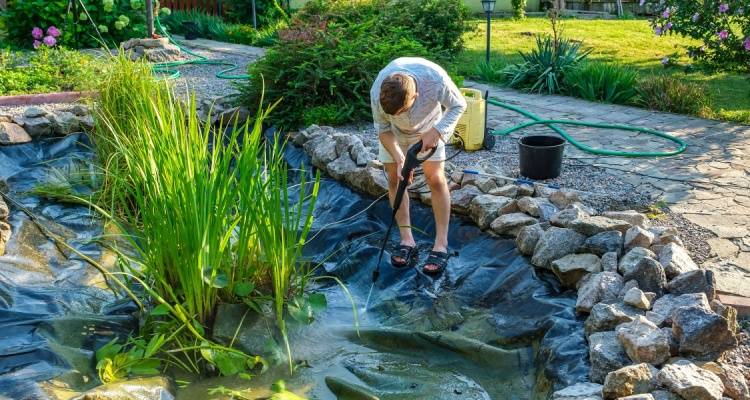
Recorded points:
(301,311)
(243,289)
(317,302)
(229,363)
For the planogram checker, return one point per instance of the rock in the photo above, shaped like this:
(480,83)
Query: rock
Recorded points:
(606,317)
(5,233)
(590,226)
(636,298)
(638,237)
(596,288)
(676,260)
(665,395)
(728,312)
(579,391)
(696,281)
(674,347)
(341,167)
(630,216)
(4,210)
(543,191)
(701,333)
(537,207)
(510,208)
(368,180)
(34,112)
(527,238)
(691,382)
(644,342)
(80,110)
(458,175)
(643,396)
(322,151)
(359,153)
(650,276)
(554,244)
(86,123)
(565,218)
(145,43)
(664,307)
(571,268)
(485,183)
(505,191)
(584,208)
(609,262)
(151,388)
(484,209)
(36,127)
(735,384)
(511,224)
(11,133)
(630,380)
(629,261)
(461,198)
(627,286)
(344,142)
(168,53)
(65,123)
(604,242)
(665,236)
(563,197)
(475,179)
(606,354)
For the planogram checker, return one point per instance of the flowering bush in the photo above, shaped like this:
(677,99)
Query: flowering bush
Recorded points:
(723,26)
(49,40)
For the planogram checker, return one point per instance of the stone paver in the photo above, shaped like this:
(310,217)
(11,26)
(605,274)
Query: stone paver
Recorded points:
(709,184)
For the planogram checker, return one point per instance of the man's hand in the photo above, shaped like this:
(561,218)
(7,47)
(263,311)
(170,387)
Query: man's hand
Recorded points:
(430,139)
(400,166)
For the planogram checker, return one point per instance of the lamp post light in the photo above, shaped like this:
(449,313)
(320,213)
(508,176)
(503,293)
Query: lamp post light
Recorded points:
(489,7)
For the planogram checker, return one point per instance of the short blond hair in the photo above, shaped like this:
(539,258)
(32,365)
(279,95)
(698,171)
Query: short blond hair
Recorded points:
(395,91)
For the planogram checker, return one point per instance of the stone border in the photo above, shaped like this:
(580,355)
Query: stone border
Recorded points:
(655,326)
(45,98)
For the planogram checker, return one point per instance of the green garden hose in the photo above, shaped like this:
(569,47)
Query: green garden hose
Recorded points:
(167,68)
(552,124)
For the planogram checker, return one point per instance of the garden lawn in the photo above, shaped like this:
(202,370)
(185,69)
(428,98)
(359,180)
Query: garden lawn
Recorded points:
(627,42)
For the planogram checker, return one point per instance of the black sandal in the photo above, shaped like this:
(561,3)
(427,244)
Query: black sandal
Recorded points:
(438,259)
(406,253)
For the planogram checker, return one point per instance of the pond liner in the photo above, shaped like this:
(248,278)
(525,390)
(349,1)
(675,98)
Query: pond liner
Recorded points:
(491,326)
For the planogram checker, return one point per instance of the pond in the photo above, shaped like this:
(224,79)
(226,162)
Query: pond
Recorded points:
(491,327)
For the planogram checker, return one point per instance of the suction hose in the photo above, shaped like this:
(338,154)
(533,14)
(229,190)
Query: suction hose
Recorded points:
(552,124)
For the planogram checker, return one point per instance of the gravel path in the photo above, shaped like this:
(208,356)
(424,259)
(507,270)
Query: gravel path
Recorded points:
(201,79)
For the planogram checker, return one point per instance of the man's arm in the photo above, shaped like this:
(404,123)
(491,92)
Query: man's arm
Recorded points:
(454,102)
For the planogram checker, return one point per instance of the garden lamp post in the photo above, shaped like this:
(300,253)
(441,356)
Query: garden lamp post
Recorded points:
(149,18)
(489,7)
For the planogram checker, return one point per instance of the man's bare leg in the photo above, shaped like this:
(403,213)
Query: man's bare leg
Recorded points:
(403,218)
(441,202)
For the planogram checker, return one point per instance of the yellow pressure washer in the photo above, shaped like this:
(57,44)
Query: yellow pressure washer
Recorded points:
(471,131)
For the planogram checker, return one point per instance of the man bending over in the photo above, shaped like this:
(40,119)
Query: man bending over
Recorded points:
(414,99)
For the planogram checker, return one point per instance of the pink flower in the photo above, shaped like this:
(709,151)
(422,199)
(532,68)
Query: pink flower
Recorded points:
(746,44)
(666,13)
(37,44)
(50,41)
(37,33)
(723,7)
(668,26)
(53,31)
(723,35)
(657,30)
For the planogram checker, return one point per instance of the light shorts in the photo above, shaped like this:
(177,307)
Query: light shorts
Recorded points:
(405,142)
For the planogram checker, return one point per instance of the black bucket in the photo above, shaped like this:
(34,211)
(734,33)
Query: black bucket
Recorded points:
(541,156)
(191,30)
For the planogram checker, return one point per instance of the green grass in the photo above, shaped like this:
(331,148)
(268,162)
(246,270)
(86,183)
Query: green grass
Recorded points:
(628,42)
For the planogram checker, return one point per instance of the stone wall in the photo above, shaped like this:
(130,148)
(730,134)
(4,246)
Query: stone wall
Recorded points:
(653,323)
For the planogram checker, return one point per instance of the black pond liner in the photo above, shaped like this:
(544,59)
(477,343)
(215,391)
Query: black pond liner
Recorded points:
(491,327)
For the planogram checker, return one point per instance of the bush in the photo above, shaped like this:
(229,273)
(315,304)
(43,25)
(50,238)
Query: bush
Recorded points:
(722,25)
(268,12)
(48,70)
(327,60)
(116,21)
(543,69)
(671,94)
(438,24)
(215,28)
(597,81)
(519,8)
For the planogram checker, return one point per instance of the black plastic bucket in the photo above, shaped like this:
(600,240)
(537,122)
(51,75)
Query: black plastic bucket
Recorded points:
(541,156)
(191,30)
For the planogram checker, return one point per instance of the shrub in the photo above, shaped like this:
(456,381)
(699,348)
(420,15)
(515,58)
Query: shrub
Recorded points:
(268,12)
(438,24)
(671,94)
(543,69)
(519,8)
(48,70)
(215,28)
(491,72)
(722,25)
(595,81)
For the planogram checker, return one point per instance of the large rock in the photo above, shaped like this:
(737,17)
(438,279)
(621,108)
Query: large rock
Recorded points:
(506,191)
(606,354)
(563,198)
(65,123)
(151,388)
(650,276)
(644,342)
(735,384)
(359,153)
(485,208)
(461,198)
(630,216)
(638,237)
(676,260)
(665,395)
(511,224)
(664,307)
(630,380)
(34,112)
(604,242)
(565,218)
(606,317)
(554,244)
(4,210)
(35,127)
(702,334)
(341,167)
(579,391)
(596,288)
(590,226)
(537,207)
(322,151)
(665,236)
(527,238)
(609,261)
(571,268)
(11,133)
(637,298)
(368,180)
(690,381)
(632,258)
(696,281)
